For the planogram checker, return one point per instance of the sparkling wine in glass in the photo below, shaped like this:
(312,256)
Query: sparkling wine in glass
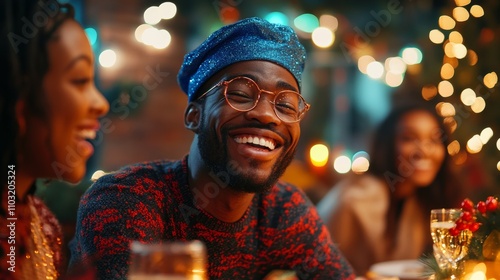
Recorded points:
(178,260)
(452,247)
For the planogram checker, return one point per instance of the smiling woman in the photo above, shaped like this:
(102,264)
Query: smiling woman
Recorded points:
(382,215)
(49,108)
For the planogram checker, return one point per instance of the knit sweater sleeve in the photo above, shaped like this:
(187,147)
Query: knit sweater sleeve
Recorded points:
(314,255)
(116,210)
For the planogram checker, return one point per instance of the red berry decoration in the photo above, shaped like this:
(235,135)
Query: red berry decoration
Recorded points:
(461,224)
(491,204)
(454,231)
(466,216)
(473,227)
(467,205)
(481,207)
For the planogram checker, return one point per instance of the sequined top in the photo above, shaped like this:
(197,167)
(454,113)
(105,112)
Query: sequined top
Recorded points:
(152,201)
(31,244)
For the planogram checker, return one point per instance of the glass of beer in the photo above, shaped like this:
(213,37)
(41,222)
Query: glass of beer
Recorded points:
(175,260)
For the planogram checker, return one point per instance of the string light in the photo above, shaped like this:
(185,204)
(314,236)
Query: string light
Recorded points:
(455,49)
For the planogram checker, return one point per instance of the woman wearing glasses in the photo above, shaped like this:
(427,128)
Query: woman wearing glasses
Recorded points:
(245,107)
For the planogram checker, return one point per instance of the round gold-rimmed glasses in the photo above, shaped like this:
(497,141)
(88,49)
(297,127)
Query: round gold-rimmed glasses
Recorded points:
(243,94)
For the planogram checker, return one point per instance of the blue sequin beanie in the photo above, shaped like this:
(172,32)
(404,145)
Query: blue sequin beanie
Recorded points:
(247,39)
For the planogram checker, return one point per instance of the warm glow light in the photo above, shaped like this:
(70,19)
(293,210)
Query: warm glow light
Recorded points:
(149,36)
(468,96)
(152,15)
(456,37)
(486,135)
(446,22)
(363,63)
(477,275)
(436,36)
(477,11)
(461,3)
(96,175)
(162,40)
(329,22)
(460,14)
(411,56)
(448,49)
(459,50)
(453,148)
(342,164)
(478,105)
(498,166)
(167,10)
(450,123)
(474,145)
(393,79)
(447,71)
(498,144)
(445,109)
(319,155)
(395,65)
(360,162)
(472,55)
(107,58)
(451,60)
(323,37)
(375,70)
(429,92)
(445,88)
(139,31)
(490,80)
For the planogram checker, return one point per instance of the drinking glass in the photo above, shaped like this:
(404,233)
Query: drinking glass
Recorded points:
(450,247)
(178,260)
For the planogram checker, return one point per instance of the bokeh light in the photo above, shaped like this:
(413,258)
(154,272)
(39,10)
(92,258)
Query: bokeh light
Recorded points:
(107,58)
(319,155)
(323,37)
(411,55)
(306,22)
(277,17)
(375,70)
(436,36)
(91,35)
(342,164)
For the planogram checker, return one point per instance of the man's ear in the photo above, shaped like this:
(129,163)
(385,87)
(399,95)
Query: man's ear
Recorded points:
(192,116)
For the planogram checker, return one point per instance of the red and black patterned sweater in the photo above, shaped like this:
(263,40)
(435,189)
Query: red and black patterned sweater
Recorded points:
(152,201)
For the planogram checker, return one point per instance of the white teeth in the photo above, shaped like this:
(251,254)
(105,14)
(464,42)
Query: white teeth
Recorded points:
(423,164)
(87,134)
(256,141)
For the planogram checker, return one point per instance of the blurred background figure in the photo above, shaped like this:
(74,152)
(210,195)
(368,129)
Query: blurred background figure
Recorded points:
(49,109)
(383,214)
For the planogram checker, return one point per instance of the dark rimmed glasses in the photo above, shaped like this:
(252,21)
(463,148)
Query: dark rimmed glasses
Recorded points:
(243,94)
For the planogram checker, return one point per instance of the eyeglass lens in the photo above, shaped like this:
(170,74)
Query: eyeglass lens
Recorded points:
(243,94)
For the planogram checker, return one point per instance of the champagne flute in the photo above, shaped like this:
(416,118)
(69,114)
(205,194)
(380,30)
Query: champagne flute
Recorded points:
(175,260)
(452,247)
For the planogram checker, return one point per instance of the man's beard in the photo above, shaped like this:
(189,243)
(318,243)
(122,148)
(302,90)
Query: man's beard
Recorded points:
(218,162)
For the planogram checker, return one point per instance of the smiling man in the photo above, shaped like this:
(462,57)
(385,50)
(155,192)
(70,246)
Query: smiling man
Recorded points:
(245,107)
